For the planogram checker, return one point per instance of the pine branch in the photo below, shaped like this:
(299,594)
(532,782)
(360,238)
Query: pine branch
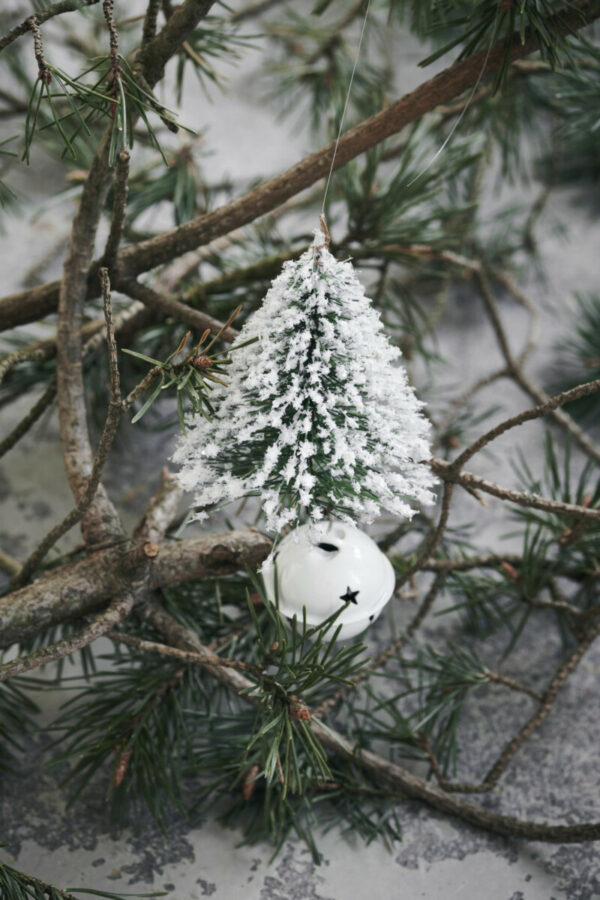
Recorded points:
(29,306)
(384,770)
(379,661)
(546,704)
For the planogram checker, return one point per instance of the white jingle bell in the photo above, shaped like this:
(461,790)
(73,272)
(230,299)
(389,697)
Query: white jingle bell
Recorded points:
(321,566)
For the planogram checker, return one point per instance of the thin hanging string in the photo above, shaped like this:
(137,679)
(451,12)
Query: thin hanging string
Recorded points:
(450,134)
(339,134)
(446,141)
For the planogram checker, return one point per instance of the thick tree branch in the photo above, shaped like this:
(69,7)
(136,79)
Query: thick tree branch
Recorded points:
(101,518)
(107,437)
(80,588)
(154,55)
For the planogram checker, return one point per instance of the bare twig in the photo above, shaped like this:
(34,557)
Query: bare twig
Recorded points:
(548,699)
(150,21)
(55,9)
(546,703)
(118,211)
(118,610)
(506,681)
(528,415)
(519,376)
(197,320)
(161,510)
(22,427)
(433,539)
(448,473)
(31,353)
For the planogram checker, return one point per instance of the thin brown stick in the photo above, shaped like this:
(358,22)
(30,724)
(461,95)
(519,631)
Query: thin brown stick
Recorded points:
(548,700)
(513,684)
(161,509)
(434,537)
(31,353)
(519,376)
(150,21)
(37,410)
(528,415)
(197,320)
(494,560)
(447,471)
(194,658)
(56,9)
(116,612)
(118,211)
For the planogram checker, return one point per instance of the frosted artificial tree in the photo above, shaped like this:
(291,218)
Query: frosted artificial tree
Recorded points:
(318,418)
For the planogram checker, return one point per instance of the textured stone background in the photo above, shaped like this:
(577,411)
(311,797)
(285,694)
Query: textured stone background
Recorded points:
(554,778)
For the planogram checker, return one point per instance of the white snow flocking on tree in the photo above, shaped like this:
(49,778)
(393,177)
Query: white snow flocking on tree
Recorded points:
(318,419)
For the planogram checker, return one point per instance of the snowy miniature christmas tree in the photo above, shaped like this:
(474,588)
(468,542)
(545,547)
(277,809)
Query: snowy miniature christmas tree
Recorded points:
(318,419)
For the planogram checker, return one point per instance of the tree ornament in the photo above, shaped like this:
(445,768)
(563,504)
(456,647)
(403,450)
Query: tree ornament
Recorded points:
(318,420)
(320,568)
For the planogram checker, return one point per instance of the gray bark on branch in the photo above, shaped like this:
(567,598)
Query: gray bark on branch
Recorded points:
(78,589)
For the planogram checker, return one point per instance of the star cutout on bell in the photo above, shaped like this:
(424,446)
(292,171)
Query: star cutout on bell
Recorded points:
(349,596)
